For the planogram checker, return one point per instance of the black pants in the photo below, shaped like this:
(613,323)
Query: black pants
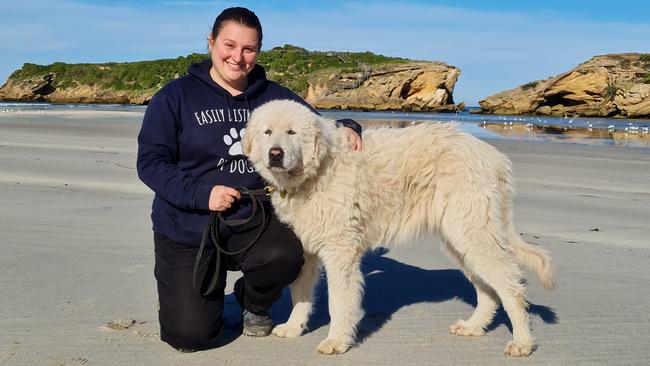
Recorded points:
(191,321)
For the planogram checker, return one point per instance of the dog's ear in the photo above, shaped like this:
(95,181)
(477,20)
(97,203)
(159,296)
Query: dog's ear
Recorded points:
(318,144)
(321,142)
(247,139)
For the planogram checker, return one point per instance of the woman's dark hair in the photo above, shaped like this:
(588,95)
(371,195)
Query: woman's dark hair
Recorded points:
(241,16)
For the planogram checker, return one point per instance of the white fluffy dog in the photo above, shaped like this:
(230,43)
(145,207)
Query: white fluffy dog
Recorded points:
(405,183)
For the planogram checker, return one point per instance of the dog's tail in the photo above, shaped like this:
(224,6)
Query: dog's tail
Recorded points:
(535,259)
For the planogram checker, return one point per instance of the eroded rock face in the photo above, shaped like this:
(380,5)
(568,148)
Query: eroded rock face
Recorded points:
(411,86)
(46,89)
(605,86)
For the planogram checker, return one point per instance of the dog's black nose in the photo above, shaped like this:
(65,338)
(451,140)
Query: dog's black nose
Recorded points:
(275,156)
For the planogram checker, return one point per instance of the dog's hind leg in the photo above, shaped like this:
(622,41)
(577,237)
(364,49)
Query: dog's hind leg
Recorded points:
(513,298)
(302,294)
(499,271)
(345,288)
(486,307)
(487,301)
(481,253)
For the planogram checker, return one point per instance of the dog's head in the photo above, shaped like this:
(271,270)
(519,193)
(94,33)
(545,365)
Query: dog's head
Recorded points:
(286,142)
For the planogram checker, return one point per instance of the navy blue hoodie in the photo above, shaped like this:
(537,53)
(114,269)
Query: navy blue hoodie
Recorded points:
(190,141)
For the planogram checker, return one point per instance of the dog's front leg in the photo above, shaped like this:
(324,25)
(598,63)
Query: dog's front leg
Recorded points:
(345,288)
(302,294)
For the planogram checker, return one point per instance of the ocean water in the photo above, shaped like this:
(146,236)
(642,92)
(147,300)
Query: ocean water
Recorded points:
(630,133)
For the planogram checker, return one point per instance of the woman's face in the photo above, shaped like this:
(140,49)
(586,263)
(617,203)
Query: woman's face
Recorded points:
(234,53)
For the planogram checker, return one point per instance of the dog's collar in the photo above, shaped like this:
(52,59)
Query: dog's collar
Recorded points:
(271,188)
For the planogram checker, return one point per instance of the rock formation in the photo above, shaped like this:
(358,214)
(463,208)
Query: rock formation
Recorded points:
(410,86)
(47,89)
(616,85)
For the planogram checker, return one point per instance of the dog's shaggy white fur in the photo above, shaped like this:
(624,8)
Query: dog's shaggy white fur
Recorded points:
(405,183)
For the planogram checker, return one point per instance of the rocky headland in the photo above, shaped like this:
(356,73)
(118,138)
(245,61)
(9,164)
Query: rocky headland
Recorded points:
(615,85)
(46,89)
(344,80)
(408,86)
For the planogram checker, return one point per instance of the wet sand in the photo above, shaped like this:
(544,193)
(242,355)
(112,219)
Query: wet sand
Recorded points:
(76,270)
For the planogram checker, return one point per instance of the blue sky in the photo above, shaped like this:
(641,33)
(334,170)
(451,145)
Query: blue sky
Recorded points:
(497,45)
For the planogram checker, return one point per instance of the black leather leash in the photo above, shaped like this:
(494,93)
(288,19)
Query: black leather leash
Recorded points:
(211,236)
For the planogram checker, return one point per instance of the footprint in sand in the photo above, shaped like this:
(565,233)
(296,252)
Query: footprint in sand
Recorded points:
(120,324)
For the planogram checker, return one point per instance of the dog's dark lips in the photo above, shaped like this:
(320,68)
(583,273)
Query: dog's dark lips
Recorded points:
(275,168)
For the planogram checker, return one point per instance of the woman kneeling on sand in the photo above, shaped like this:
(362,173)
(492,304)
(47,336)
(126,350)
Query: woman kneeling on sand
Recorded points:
(189,154)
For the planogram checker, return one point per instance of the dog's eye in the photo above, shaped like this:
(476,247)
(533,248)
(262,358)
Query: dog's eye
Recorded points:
(268,132)
(291,132)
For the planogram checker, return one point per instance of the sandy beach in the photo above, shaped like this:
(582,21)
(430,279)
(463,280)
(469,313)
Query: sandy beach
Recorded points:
(77,254)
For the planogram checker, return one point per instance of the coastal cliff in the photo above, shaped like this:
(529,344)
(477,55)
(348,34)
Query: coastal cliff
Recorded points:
(615,85)
(45,88)
(409,86)
(123,83)
(346,80)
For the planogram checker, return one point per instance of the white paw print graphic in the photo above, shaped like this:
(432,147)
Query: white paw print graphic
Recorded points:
(233,140)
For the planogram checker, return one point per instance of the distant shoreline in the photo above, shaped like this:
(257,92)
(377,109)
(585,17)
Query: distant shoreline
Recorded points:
(585,131)
(466,110)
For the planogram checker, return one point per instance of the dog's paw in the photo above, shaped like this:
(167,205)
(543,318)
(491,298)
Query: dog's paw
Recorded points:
(515,349)
(287,331)
(332,347)
(460,328)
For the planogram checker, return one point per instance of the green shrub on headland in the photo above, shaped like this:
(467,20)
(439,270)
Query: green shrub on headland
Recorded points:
(610,92)
(530,85)
(288,65)
(291,66)
(135,76)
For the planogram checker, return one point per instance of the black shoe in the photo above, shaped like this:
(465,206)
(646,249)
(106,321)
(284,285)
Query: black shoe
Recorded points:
(185,350)
(256,325)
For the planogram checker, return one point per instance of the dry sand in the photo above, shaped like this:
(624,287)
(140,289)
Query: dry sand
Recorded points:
(76,262)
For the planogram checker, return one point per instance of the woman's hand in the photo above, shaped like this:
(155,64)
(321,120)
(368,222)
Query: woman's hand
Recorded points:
(222,197)
(354,139)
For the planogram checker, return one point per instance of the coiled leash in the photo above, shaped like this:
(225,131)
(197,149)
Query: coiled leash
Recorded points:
(211,235)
